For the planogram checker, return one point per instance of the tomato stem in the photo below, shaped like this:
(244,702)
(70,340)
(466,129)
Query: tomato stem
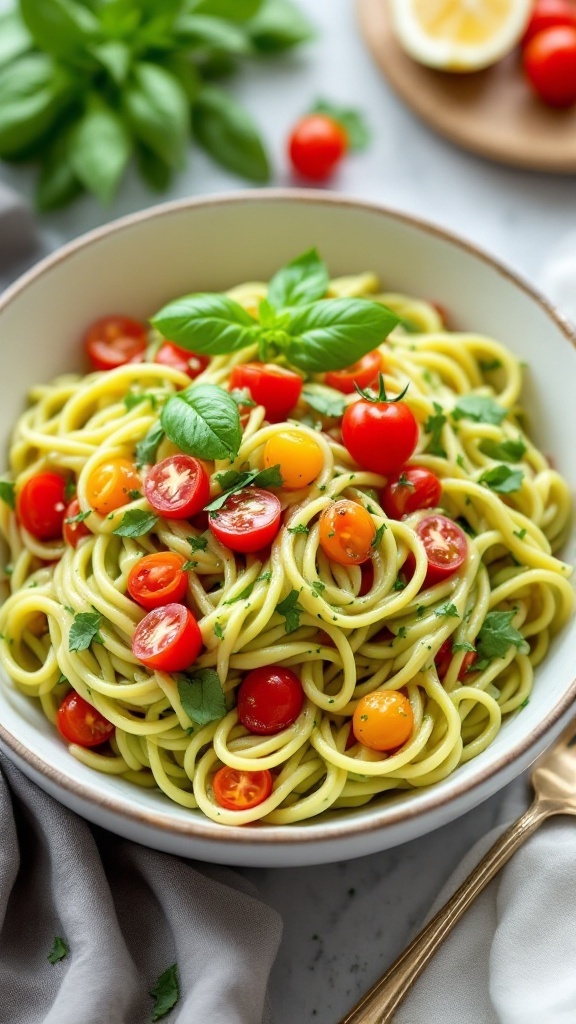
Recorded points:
(371,396)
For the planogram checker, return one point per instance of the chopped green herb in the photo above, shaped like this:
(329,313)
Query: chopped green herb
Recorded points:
(318,587)
(520,533)
(460,461)
(434,426)
(301,528)
(84,630)
(233,481)
(399,584)
(166,992)
(511,450)
(79,518)
(135,523)
(189,565)
(291,610)
(8,493)
(502,479)
(8,569)
(69,489)
(218,631)
(133,399)
(59,951)
(198,543)
(378,535)
(146,448)
(525,702)
(202,695)
(447,610)
(462,645)
(496,636)
(420,610)
(325,400)
(487,365)
(479,408)
(401,634)
(134,495)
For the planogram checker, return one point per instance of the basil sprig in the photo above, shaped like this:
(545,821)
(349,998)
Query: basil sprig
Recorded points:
(296,324)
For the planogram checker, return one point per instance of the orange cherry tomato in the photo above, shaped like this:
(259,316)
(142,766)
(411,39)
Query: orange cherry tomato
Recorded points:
(157,579)
(299,456)
(347,532)
(114,341)
(74,529)
(109,486)
(241,790)
(383,720)
(363,373)
(80,723)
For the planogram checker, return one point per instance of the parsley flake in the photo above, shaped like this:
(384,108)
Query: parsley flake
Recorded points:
(59,951)
(301,528)
(8,493)
(84,630)
(480,409)
(502,479)
(447,610)
(291,611)
(496,637)
(218,631)
(520,533)
(198,543)
(202,695)
(434,426)
(377,540)
(166,992)
(135,523)
(79,518)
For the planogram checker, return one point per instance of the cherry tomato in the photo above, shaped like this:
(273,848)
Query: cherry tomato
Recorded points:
(316,146)
(109,486)
(413,488)
(168,639)
(240,790)
(114,341)
(445,545)
(41,505)
(181,359)
(380,434)
(270,698)
(383,720)
(363,373)
(80,723)
(157,579)
(177,487)
(444,658)
(549,14)
(74,531)
(550,65)
(299,456)
(272,386)
(347,532)
(367,581)
(248,520)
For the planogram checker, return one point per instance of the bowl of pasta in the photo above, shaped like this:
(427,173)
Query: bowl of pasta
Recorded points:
(286,527)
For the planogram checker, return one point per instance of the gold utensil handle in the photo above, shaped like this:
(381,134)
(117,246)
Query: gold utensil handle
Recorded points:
(381,1002)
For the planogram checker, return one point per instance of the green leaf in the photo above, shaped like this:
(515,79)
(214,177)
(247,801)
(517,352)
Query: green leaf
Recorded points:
(8,493)
(133,398)
(480,409)
(203,420)
(101,149)
(447,610)
(209,323)
(434,426)
(32,94)
(332,335)
(15,39)
(135,523)
(325,400)
(202,696)
(246,593)
(198,543)
(301,528)
(301,281)
(146,448)
(59,27)
(84,630)
(243,398)
(200,30)
(57,183)
(352,122)
(156,109)
(463,645)
(229,134)
(231,10)
(497,635)
(116,57)
(512,450)
(278,26)
(166,992)
(488,365)
(233,481)
(377,539)
(155,172)
(503,479)
(59,951)
(79,518)
(291,611)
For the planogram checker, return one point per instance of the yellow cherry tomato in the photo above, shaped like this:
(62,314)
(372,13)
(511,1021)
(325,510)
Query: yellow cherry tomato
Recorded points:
(110,484)
(383,720)
(299,456)
(347,532)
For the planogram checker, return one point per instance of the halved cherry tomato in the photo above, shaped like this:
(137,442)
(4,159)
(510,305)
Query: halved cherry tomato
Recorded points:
(444,658)
(248,520)
(274,387)
(41,505)
(347,532)
(114,341)
(549,14)
(316,146)
(445,545)
(270,699)
(241,790)
(413,488)
(550,65)
(181,359)
(74,531)
(157,579)
(167,639)
(363,373)
(80,723)
(110,484)
(177,487)
(383,720)
(299,456)
(380,434)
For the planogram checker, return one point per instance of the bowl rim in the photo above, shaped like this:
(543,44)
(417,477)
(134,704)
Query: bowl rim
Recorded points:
(382,817)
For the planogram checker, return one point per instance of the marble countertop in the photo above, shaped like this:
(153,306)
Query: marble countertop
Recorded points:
(344,923)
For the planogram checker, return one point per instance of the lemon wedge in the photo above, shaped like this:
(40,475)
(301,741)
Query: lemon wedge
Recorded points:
(459,35)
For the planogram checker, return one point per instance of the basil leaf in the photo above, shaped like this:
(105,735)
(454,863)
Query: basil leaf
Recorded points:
(291,611)
(8,493)
(243,398)
(79,518)
(332,335)
(325,400)
(511,450)
(135,523)
(229,134)
(231,10)
(32,94)
(208,323)
(155,172)
(278,26)
(101,149)
(496,636)
(434,426)
(232,482)
(156,109)
(303,280)
(59,951)
(15,39)
(146,448)
(166,992)
(84,630)
(502,479)
(200,30)
(480,409)
(351,120)
(57,183)
(116,57)
(203,420)
(202,696)
(59,27)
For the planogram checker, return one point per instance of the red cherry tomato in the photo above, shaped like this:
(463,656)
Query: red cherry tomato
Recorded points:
(316,146)
(168,639)
(80,723)
(177,487)
(380,434)
(363,373)
(550,65)
(367,581)
(270,698)
(549,14)
(181,359)
(41,505)
(444,658)
(239,790)
(248,520)
(275,388)
(74,531)
(413,488)
(157,579)
(114,341)
(445,545)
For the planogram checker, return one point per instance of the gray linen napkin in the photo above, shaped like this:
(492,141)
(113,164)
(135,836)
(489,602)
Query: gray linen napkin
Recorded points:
(126,913)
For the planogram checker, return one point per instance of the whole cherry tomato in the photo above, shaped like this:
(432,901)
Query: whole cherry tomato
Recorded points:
(347,532)
(110,484)
(181,359)
(274,387)
(270,699)
(383,720)
(80,723)
(361,374)
(157,579)
(167,639)
(550,65)
(445,545)
(41,505)
(297,454)
(248,520)
(177,487)
(549,14)
(380,434)
(241,790)
(114,341)
(74,529)
(316,146)
(413,488)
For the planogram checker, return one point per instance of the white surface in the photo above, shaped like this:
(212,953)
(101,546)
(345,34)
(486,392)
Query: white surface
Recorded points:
(345,922)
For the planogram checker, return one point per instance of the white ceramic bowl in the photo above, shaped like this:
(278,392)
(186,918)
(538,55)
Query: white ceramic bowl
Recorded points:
(137,264)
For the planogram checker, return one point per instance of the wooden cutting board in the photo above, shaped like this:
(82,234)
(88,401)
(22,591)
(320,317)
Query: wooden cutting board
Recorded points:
(491,112)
